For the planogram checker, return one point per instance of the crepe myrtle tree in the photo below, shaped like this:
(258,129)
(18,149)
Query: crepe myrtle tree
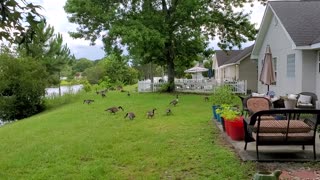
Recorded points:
(170,30)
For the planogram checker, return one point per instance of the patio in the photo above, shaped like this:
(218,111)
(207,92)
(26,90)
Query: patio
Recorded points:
(272,153)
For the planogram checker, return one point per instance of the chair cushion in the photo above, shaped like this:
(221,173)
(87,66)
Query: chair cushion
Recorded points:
(304,104)
(257,95)
(304,99)
(280,126)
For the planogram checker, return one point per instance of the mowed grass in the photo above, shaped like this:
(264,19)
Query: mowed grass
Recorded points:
(80,141)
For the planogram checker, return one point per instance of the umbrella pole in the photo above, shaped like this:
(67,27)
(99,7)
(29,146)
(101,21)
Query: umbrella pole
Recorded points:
(268,88)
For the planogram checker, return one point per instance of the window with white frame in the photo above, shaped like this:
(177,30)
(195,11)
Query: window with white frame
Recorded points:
(291,65)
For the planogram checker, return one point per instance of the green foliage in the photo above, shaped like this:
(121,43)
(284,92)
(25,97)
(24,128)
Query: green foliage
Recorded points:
(165,87)
(16,15)
(223,95)
(95,74)
(86,86)
(228,112)
(47,48)
(81,65)
(22,87)
(159,31)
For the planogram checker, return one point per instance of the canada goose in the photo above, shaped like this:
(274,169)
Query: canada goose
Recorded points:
(114,109)
(175,101)
(168,111)
(103,94)
(97,91)
(128,93)
(130,115)
(150,114)
(206,98)
(88,101)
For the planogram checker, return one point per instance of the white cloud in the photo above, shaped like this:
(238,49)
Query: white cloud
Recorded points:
(56,17)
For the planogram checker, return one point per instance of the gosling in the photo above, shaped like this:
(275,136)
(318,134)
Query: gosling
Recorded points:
(113,110)
(130,115)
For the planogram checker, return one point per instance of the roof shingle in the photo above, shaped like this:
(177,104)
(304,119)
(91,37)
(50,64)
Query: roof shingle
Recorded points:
(301,19)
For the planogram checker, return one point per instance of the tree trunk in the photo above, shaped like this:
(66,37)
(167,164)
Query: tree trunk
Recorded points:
(170,65)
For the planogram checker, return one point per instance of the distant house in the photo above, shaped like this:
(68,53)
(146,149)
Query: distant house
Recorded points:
(292,29)
(234,65)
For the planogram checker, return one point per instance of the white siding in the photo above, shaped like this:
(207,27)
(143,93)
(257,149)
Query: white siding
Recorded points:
(280,46)
(230,73)
(309,71)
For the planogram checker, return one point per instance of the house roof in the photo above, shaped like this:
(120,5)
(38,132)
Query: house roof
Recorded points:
(300,19)
(232,56)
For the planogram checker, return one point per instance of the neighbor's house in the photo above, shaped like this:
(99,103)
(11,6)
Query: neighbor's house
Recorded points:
(234,65)
(292,29)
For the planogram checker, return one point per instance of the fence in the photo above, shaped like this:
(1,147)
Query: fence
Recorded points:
(194,85)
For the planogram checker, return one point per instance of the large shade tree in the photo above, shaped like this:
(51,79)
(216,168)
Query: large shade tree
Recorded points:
(166,32)
(15,15)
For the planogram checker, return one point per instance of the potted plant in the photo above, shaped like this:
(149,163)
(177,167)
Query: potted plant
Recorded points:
(221,95)
(290,101)
(233,122)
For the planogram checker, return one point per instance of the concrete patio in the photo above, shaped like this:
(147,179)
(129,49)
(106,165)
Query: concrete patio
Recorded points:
(272,153)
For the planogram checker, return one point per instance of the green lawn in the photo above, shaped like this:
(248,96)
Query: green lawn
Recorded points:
(80,141)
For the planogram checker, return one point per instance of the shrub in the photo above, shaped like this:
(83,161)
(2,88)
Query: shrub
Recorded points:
(22,87)
(223,95)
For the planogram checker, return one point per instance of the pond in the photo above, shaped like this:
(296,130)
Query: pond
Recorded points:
(51,92)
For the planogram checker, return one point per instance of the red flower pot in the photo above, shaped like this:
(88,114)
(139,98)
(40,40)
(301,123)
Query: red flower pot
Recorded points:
(236,131)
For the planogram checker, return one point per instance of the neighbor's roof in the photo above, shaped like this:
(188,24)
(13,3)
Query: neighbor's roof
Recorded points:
(301,20)
(233,56)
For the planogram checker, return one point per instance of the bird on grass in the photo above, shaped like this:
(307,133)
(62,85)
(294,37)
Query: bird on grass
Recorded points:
(175,101)
(128,93)
(114,109)
(150,114)
(88,101)
(130,115)
(168,112)
(206,98)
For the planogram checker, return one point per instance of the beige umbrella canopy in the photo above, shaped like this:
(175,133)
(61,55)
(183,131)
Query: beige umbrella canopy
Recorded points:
(267,75)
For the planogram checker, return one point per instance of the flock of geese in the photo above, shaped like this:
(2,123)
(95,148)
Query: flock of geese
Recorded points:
(131,115)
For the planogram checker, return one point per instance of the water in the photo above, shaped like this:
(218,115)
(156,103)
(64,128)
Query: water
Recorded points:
(51,92)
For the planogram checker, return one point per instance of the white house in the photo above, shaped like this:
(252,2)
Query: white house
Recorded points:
(292,29)
(234,65)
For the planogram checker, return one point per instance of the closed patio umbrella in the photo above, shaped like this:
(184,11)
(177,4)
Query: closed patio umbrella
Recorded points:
(267,75)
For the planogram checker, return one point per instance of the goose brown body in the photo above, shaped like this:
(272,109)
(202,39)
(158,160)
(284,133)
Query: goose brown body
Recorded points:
(150,114)
(130,115)
(175,101)
(114,109)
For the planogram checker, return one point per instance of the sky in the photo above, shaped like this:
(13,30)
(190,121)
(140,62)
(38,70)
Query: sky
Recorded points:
(56,17)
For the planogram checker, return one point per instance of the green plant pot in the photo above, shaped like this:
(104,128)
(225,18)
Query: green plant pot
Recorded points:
(266,175)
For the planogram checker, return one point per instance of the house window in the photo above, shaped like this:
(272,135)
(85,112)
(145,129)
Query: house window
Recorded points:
(291,65)
(274,63)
